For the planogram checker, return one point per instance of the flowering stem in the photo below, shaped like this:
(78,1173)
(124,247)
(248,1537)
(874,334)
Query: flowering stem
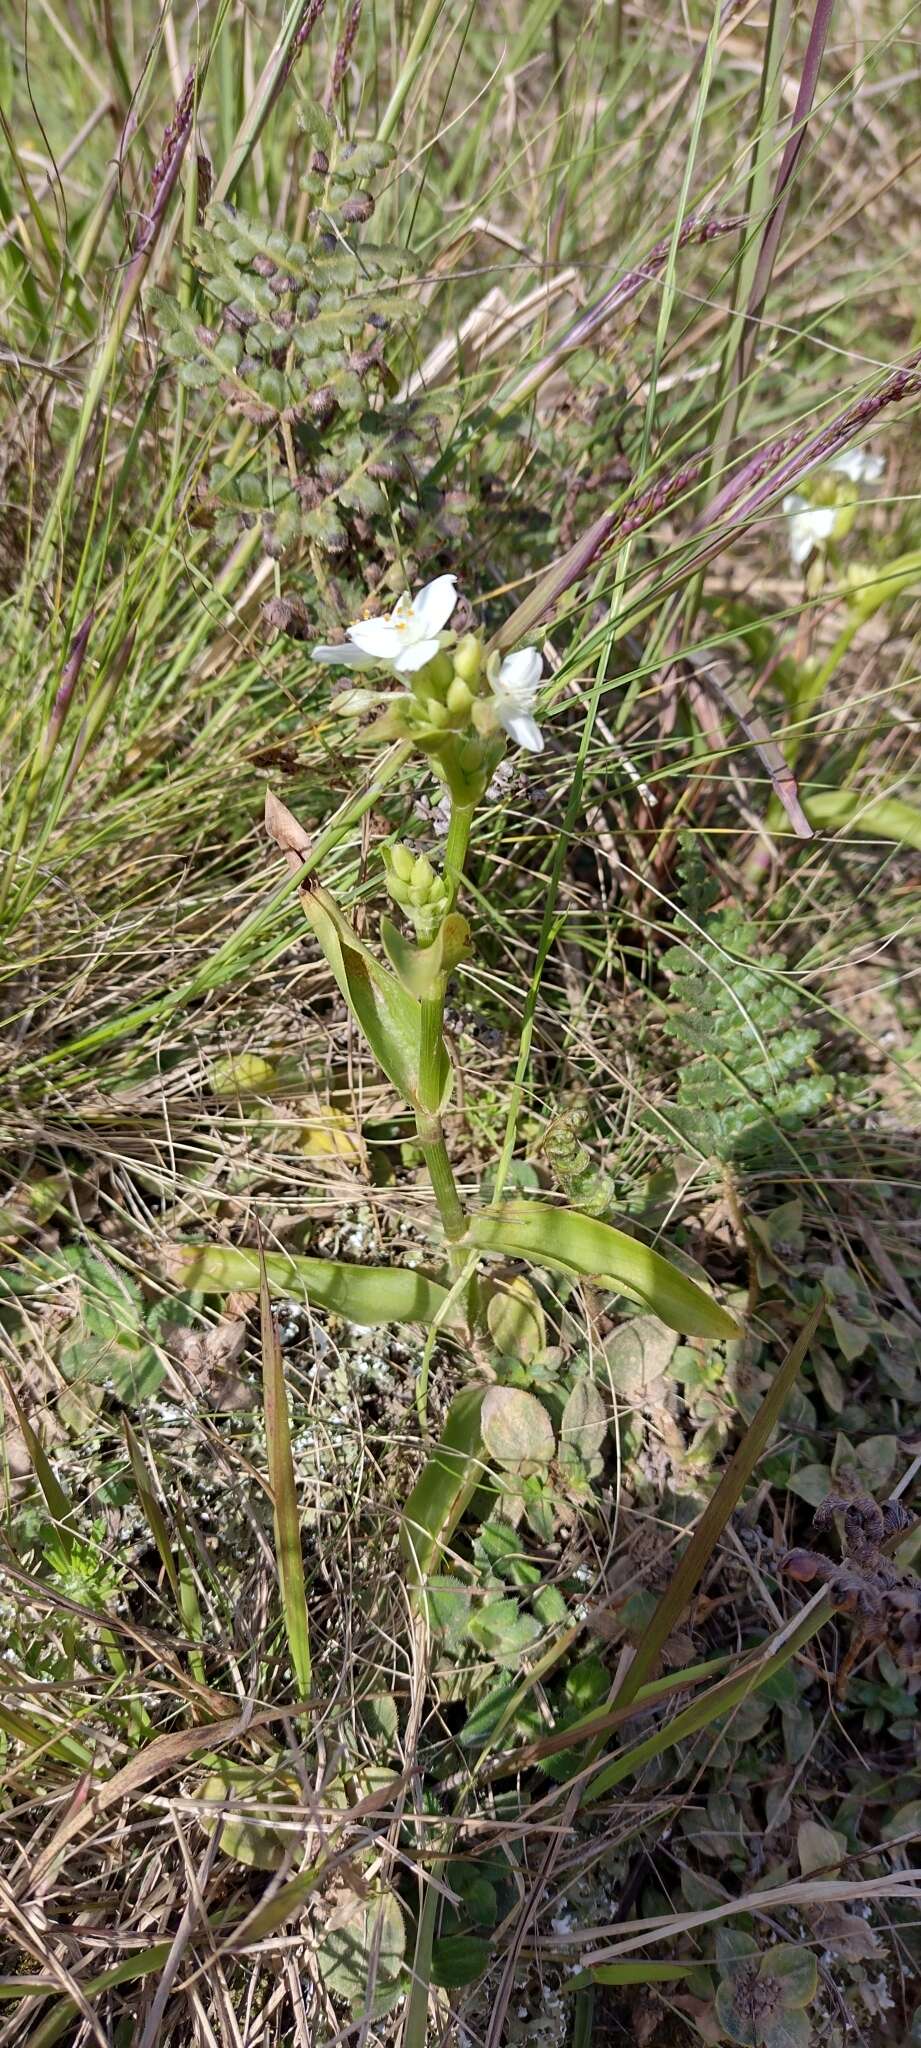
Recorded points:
(456,847)
(428,1118)
(441,1174)
(808,699)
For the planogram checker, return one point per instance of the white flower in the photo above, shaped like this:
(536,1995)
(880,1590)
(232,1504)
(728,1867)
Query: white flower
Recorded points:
(406,639)
(810,525)
(858,465)
(514,684)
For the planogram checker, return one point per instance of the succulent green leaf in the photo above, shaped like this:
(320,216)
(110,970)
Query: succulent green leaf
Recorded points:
(389,1017)
(629,1973)
(251,1838)
(819,1848)
(369,1295)
(283,1485)
(572,1243)
(362,1932)
(424,969)
(517,1431)
(733,1947)
(886,817)
(585,1422)
(445,1486)
(795,1970)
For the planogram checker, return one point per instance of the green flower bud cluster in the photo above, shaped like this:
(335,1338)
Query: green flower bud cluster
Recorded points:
(421,893)
(445,688)
(448,705)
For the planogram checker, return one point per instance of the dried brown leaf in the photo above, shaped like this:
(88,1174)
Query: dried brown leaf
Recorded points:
(847,1934)
(282,826)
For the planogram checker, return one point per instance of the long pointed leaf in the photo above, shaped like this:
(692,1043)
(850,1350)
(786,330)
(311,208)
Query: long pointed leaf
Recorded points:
(153,1512)
(445,1485)
(712,1705)
(389,1017)
(875,817)
(569,1242)
(56,1500)
(363,1294)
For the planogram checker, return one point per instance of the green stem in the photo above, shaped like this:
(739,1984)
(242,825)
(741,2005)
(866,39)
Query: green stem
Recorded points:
(812,687)
(103,371)
(428,1117)
(441,1174)
(456,846)
(274,73)
(808,697)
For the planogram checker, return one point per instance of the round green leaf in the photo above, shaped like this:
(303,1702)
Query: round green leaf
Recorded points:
(245,1074)
(516,1319)
(585,1422)
(517,1431)
(459,1959)
(356,1930)
(248,1838)
(736,2015)
(795,1970)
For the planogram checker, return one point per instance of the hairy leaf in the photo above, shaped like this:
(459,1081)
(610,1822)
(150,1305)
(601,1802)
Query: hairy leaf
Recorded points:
(517,1431)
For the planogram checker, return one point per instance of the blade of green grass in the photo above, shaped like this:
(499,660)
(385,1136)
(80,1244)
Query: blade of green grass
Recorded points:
(711,1707)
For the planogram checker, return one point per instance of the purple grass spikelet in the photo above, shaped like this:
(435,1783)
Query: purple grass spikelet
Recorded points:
(343,53)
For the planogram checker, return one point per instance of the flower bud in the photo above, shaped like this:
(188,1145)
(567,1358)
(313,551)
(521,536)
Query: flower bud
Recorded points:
(468,659)
(354,703)
(436,714)
(438,674)
(398,867)
(402,861)
(459,698)
(421,893)
(869,589)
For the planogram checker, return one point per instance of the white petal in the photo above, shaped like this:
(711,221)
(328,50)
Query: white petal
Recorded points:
(433,605)
(858,465)
(520,675)
(522,728)
(809,528)
(414,654)
(377,637)
(342,656)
